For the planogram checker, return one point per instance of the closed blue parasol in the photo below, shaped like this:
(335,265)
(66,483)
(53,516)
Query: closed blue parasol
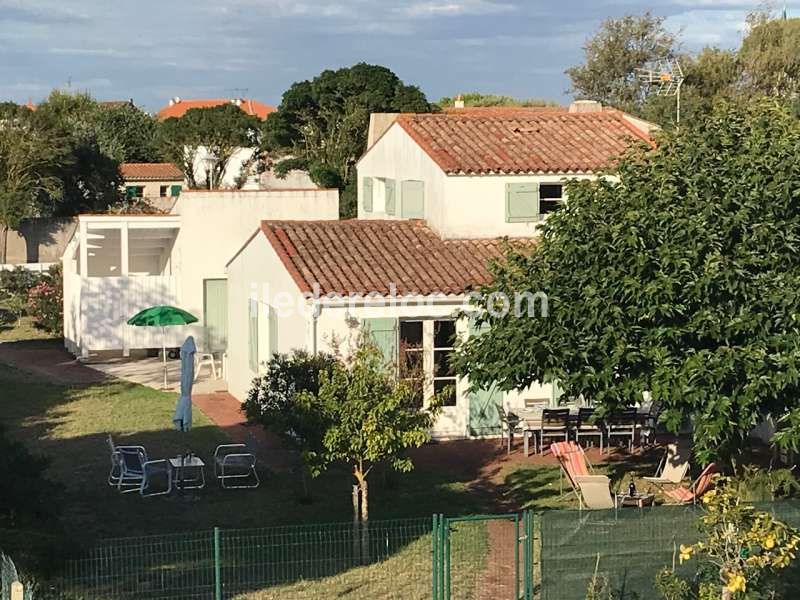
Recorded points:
(183,411)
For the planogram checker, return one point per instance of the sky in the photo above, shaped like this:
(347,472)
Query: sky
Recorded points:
(152,50)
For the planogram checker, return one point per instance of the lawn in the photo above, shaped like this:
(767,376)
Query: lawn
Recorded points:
(12,330)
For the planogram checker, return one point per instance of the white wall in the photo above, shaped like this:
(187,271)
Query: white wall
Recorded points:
(216,224)
(258,273)
(397,156)
(456,206)
(239,157)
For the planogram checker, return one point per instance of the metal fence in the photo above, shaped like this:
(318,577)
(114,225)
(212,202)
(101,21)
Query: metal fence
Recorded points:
(551,556)
(313,561)
(628,547)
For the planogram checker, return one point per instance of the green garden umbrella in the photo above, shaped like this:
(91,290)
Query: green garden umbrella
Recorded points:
(162,316)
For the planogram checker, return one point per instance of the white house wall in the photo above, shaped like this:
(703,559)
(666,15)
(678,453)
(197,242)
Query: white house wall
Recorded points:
(215,225)
(397,156)
(258,273)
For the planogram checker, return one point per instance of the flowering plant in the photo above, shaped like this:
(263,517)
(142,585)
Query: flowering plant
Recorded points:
(45,305)
(742,544)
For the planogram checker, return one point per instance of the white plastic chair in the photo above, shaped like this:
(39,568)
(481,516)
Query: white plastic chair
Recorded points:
(204,359)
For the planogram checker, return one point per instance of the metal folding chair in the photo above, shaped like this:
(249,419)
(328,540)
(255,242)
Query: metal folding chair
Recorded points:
(154,472)
(116,460)
(131,462)
(234,466)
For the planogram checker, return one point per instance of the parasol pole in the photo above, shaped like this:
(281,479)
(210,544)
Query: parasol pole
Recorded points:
(164,353)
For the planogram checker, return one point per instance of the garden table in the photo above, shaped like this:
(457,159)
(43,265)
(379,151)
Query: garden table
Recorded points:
(193,466)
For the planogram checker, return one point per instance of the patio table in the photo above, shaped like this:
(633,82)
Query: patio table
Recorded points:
(193,466)
(531,419)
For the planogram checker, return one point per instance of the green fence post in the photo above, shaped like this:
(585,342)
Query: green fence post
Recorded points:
(446,534)
(516,555)
(217,567)
(531,555)
(434,557)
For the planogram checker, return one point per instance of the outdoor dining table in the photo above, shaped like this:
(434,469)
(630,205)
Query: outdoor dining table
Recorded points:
(531,419)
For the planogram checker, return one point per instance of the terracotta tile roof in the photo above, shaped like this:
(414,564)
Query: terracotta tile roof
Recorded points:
(150,172)
(361,257)
(250,106)
(522,140)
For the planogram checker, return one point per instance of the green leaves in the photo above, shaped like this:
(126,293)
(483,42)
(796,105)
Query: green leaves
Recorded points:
(682,279)
(323,123)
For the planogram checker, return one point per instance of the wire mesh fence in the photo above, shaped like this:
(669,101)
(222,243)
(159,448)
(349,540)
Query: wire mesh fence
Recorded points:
(312,561)
(628,547)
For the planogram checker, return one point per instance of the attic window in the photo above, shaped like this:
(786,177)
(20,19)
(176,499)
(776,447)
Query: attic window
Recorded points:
(550,197)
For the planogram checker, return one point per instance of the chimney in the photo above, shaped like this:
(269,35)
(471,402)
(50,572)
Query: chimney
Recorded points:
(585,106)
(459,103)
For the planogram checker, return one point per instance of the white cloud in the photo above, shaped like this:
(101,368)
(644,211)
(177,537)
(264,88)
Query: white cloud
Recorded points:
(454,8)
(699,28)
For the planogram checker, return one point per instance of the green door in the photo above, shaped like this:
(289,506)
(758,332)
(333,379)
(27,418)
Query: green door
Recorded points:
(215,314)
(484,405)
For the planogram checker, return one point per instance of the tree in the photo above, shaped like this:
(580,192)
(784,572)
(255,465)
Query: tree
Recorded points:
(219,130)
(274,402)
(373,418)
(30,163)
(321,125)
(770,57)
(479,99)
(612,56)
(681,279)
(91,180)
(126,133)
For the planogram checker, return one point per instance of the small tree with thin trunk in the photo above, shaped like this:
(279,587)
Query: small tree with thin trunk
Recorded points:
(374,418)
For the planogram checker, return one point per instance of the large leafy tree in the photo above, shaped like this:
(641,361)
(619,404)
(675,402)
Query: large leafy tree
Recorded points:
(770,57)
(126,133)
(90,180)
(479,99)
(681,278)
(321,125)
(612,56)
(220,131)
(31,161)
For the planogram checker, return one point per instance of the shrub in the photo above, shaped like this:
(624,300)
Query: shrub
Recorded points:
(273,401)
(45,306)
(742,551)
(38,294)
(18,282)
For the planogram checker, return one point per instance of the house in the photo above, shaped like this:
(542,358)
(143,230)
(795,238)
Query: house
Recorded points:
(487,172)
(156,183)
(439,194)
(242,158)
(116,265)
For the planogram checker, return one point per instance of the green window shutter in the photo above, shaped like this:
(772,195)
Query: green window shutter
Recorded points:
(367,194)
(175,190)
(383,333)
(131,191)
(522,202)
(252,338)
(484,404)
(412,199)
(390,195)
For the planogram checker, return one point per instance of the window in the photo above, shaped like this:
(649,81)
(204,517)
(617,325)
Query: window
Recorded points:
(252,338)
(444,375)
(366,197)
(522,202)
(175,190)
(550,197)
(389,196)
(134,191)
(162,191)
(412,363)
(412,199)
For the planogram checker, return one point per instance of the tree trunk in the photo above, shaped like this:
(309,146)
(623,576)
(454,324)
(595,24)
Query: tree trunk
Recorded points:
(3,243)
(364,523)
(356,528)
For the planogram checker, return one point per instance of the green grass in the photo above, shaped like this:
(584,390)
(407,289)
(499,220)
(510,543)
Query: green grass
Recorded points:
(13,330)
(70,425)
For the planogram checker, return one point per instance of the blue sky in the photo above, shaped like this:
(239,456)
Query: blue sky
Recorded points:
(152,50)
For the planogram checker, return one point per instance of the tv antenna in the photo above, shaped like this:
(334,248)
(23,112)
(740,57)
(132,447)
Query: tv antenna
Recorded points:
(667,77)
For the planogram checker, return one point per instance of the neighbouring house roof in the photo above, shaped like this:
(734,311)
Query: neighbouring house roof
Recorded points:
(177,107)
(362,257)
(500,140)
(150,172)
